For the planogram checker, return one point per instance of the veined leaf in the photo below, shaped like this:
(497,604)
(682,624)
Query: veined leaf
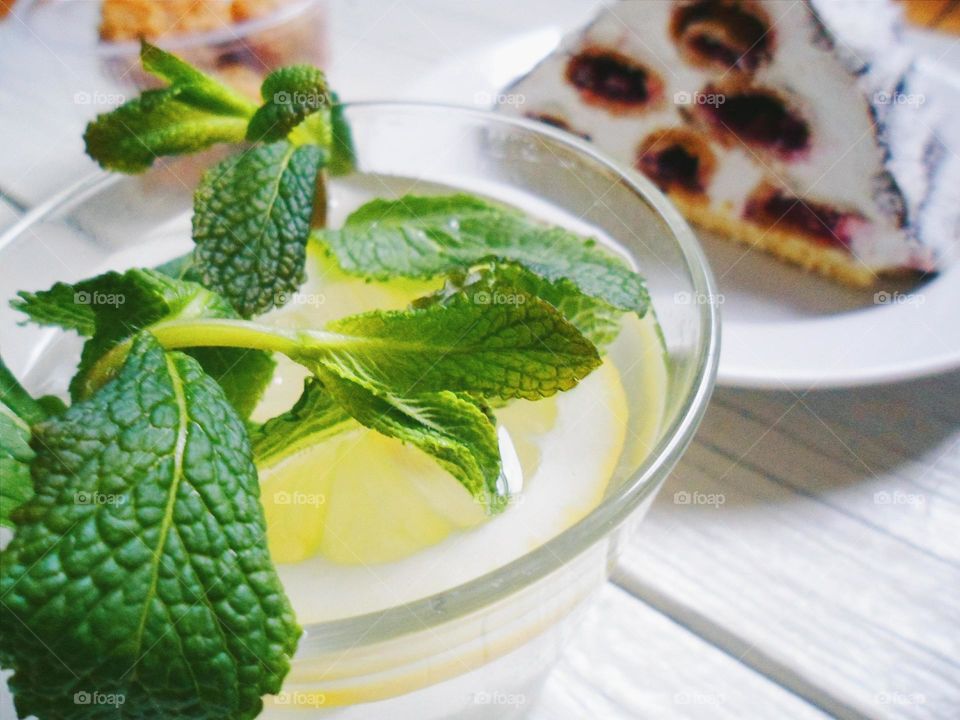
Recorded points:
(194,112)
(416,236)
(524,349)
(597,320)
(139,570)
(18,412)
(453,429)
(251,223)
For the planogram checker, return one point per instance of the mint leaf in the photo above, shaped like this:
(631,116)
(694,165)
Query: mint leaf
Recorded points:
(194,112)
(315,417)
(343,156)
(139,569)
(453,429)
(18,411)
(290,94)
(113,307)
(57,307)
(251,223)
(597,320)
(418,236)
(521,350)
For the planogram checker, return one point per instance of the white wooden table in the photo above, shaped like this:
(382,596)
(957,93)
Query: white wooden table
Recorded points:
(827,583)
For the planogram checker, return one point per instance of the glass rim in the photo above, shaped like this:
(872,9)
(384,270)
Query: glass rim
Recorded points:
(487,589)
(186,41)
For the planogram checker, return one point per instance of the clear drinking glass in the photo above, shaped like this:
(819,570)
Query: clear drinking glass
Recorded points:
(242,52)
(480,649)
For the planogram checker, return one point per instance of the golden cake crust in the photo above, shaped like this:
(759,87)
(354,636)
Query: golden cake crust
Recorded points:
(789,246)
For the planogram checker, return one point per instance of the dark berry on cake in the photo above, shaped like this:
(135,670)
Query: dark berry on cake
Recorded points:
(725,35)
(676,159)
(612,80)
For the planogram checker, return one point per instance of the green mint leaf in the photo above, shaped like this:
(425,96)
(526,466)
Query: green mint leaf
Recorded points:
(251,223)
(343,156)
(290,94)
(315,417)
(597,320)
(451,428)
(57,307)
(194,112)
(111,308)
(521,350)
(416,236)
(18,412)
(139,569)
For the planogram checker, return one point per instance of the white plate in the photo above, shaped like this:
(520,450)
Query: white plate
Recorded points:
(782,329)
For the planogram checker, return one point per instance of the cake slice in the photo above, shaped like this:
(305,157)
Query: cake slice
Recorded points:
(806,129)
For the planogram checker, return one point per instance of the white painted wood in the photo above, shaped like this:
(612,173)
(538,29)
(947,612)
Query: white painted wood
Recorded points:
(829,557)
(629,662)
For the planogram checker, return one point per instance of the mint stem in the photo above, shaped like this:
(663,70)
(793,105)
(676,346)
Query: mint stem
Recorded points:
(175,334)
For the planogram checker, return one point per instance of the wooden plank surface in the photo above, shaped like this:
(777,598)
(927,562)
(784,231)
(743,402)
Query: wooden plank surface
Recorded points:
(815,539)
(628,661)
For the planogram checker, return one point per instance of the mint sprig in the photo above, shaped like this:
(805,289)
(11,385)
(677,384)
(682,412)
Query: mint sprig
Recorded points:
(138,567)
(139,570)
(425,236)
(192,113)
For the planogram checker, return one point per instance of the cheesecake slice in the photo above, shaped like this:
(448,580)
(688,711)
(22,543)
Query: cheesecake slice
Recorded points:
(806,129)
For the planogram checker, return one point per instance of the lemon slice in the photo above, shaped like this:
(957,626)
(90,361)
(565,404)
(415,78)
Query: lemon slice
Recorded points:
(361,497)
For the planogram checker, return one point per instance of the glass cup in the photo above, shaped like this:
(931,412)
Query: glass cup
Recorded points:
(480,649)
(241,52)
